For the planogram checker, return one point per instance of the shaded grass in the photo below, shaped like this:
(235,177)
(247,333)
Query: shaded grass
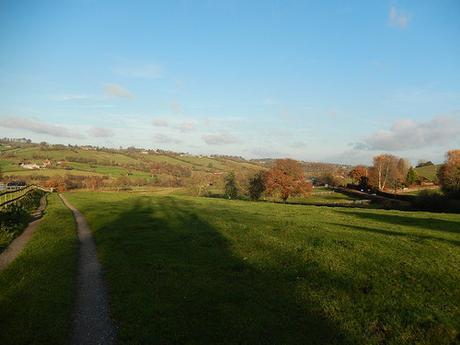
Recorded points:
(37,289)
(207,271)
(16,216)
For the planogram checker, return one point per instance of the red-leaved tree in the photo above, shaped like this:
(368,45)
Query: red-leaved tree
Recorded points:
(286,178)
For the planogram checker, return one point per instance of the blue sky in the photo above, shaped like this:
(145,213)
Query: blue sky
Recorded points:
(324,81)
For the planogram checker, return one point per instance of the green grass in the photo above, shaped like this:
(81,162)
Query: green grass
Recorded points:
(109,163)
(37,289)
(6,165)
(50,173)
(429,171)
(185,270)
(324,196)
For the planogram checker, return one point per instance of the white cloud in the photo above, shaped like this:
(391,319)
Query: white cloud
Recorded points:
(219,139)
(40,127)
(397,18)
(99,132)
(115,90)
(409,134)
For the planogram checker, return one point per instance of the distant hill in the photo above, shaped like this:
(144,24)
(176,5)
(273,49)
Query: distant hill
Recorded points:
(312,169)
(428,171)
(17,156)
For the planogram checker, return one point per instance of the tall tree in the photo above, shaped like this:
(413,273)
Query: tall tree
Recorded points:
(286,178)
(411,177)
(231,190)
(449,174)
(384,170)
(257,185)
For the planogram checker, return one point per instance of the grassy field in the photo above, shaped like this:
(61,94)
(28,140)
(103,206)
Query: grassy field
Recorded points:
(326,196)
(428,171)
(185,270)
(37,289)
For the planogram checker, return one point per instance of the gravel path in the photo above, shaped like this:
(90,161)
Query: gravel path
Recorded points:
(15,247)
(92,323)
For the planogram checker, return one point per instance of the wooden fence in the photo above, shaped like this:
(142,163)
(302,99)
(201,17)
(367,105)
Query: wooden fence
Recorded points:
(11,196)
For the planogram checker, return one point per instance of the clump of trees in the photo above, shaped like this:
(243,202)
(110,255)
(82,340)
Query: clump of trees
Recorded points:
(284,179)
(360,176)
(449,174)
(388,171)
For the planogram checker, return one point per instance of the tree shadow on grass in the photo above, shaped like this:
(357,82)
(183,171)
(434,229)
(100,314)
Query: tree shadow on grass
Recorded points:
(174,279)
(442,225)
(387,232)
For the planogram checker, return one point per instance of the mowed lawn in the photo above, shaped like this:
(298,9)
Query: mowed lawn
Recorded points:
(185,270)
(37,290)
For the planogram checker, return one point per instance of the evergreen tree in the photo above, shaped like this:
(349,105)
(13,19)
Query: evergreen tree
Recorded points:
(411,177)
(257,185)
(231,190)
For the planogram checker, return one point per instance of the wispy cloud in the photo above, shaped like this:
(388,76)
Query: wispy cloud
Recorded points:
(409,134)
(118,91)
(219,139)
(40,127)
(176,108)
(99,132)
(165,139)
(148,71)
(398,18)
(186,126)
(158,122)
(72,97)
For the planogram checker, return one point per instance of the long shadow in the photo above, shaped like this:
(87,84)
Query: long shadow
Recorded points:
(441,225)
(412,236)
(174,279)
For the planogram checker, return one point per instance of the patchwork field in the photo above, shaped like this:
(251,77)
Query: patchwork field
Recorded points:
(104,163)
(209,271)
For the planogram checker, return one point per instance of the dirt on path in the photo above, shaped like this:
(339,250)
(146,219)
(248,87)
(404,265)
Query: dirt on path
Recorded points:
(92,323)
(15,247)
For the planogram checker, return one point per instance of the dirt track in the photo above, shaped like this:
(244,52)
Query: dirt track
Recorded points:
(15,247)
(92,323)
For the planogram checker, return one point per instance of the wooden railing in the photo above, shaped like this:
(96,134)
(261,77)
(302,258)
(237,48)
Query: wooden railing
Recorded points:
(10,196)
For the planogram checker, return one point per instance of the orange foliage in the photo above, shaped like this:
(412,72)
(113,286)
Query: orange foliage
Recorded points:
(287,179)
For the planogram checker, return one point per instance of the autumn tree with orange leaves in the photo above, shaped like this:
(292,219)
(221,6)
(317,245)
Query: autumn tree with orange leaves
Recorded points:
(286,178)
(449,174)
(357,173)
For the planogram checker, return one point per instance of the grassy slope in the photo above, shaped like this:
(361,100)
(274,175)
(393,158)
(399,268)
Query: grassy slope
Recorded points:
(10,165)
(206,271)
(37,289)
(429,171)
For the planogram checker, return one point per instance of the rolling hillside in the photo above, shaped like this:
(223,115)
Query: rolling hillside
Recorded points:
(428,171)
(83,161)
